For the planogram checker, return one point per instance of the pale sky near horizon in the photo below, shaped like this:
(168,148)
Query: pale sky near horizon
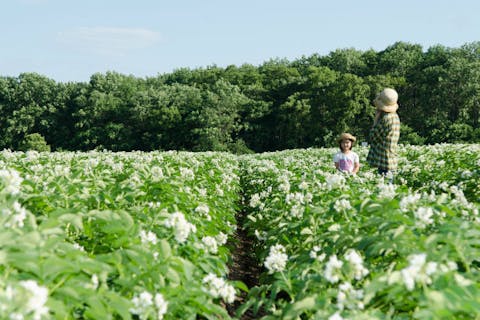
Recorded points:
(68,40)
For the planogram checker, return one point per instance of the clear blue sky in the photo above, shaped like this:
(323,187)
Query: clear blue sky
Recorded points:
(69,40)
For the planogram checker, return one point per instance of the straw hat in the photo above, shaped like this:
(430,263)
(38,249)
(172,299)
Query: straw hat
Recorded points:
(346,136)
(387,100)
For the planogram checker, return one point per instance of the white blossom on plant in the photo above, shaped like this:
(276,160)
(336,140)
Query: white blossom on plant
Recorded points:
(333,269)
(423,216)
(349,298)
(219,288)
(418,271)
(182,227)
(11,181)
(161,304)
(356,261)
(342,205)
(314,254)
(386,190)
(277,259)
(148,237)
(209,244)
(204,210)
(37,300)
(145,303)
(336,316)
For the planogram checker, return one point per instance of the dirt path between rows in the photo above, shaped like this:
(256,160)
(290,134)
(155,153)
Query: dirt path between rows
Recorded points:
(244,268)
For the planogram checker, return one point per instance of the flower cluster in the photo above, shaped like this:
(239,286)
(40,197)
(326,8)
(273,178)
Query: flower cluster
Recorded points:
(11,181)
(182,227)
(333,269)
(14,217)
(219,288)
(25,300)
(342,205)
(356,262)
(148,237)
(348,297)
(145,305)
(277,259)
(419,270)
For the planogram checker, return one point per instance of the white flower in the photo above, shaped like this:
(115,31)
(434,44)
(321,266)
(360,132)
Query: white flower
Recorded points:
(335,180)
(187,173)
(386,190)
(11,180)
(142,303)
(409,201)
(78,246)
(221,238)
(349,297)
(356,261)
(303,185)
(342,205)
(148,237)
(161,305)
(423,216)
(210,244)
(145,303)
(17,217)
(219,288)
(418,271)
(333,269)
(335,316)
(314,254)
(39,296)
(277,259)
(255,200)
(296,197)
(203,209)
(181,225)
(297,211)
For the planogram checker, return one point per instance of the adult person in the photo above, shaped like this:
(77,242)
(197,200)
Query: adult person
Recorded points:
(385,133)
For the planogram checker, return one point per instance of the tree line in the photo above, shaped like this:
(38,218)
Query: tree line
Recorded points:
(277,105)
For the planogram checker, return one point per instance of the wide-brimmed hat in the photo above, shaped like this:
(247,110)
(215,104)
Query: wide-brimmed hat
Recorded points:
(387,100)
(346,136)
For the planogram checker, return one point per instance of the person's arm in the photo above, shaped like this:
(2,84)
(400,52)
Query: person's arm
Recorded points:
(336,161)
(356,167)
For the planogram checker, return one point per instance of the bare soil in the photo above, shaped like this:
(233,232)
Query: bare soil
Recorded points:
(244,267)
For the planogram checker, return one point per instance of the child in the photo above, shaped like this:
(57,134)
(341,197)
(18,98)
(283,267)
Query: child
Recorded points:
(346,160)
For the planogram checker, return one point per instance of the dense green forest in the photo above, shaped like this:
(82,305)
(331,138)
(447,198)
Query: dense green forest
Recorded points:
(277,105)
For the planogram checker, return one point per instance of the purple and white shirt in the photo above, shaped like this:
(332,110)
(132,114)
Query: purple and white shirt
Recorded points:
(346,161)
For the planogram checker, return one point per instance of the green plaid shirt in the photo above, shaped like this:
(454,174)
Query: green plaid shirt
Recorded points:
(383,142)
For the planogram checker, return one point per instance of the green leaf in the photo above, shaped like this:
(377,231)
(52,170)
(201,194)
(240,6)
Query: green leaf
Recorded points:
(292,311)
(164,249)
(119,304)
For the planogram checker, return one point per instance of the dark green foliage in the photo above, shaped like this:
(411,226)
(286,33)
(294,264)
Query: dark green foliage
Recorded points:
(34,142)
(277,105)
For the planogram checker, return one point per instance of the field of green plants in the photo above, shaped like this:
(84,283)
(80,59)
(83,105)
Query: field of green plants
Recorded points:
(150,235)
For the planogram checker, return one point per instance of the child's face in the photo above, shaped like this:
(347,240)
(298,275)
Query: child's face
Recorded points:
(346,144)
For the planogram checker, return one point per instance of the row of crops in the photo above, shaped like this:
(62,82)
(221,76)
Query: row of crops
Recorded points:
(137,235)
(116,235)
(355,247)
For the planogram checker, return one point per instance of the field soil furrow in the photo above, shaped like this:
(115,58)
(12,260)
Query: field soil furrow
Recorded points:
(244,267)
